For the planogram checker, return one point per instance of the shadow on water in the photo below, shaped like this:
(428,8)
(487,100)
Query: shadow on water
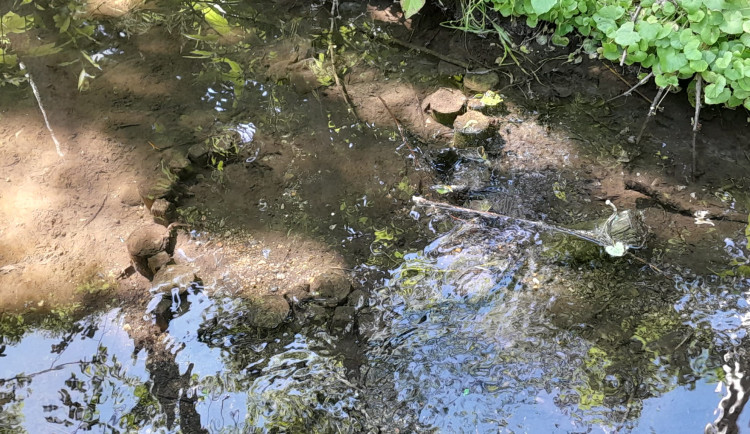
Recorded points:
(489,328)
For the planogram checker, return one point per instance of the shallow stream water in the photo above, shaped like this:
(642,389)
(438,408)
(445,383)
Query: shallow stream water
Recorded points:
(488,328)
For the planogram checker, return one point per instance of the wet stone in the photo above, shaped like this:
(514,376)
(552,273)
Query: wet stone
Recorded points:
(445,104)
(481,82)
(357,299)
(315,314)
(302,77)
(367,324)
(162,188)
(342,320)
(331,286)
(268,311)
(471,175)
(163,211)
(447,69)
(175,277)
(148,241)
(158,261)
(198,153)
(298,294)
(130,196)
(471,129)
(177,162)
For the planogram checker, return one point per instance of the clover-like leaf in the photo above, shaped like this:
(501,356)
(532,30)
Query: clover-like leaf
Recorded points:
(648,30)
(625,35)
(715,5)
(691,49)
(723,61)
(411,7)
(611,12)
(542,6)
(710,34)
(698,65)
(732,22)
(670,60)
(690,6)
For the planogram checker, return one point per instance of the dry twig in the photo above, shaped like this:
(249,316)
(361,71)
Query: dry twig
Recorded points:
(696,123)
(660,95)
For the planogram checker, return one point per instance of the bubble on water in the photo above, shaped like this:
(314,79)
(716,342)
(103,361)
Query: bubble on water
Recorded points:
(253,157)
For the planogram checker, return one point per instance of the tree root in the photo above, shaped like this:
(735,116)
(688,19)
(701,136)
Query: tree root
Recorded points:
(400,131)
(660,95)
(633,88)
(671,204)
(41,108)
(425,50)
(696,123)
(332,54)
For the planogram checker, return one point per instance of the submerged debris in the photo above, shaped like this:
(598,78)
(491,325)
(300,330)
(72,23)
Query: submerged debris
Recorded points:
(622,231)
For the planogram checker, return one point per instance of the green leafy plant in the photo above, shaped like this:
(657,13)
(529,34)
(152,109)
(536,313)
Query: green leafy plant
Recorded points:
(411,7)
(676,40)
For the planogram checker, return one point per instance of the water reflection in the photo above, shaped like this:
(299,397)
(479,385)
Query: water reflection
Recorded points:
(477,333)
(470,340)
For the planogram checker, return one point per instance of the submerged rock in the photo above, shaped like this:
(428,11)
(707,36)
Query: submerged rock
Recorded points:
(332,287)
(315,314)
(470,175)
(342,320)
(176,162)
(357,299)
(175,279)
(298,294)
(198,153)
(268,311)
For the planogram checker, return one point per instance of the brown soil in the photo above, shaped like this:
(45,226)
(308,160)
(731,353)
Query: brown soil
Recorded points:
(65,219)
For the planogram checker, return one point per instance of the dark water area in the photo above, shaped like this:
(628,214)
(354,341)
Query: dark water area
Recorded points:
(464,325)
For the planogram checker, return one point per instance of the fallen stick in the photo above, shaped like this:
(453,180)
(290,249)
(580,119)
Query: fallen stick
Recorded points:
(652,111)
(420,201)
(696,124)
(400,131)
(331,52)
(632,89)
(633,18)
(41,108)
(425,50)
(679,203)
(97,211)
